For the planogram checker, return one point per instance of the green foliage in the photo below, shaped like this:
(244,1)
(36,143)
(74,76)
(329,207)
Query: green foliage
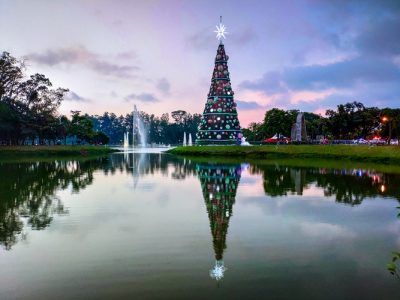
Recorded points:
(349,121)
(392,126)
(278,121)
(314,124)
(255,132)
(11,73)
(9,121)
(81,127)
(392,265)
(100,138)
(28,109)
(352,120)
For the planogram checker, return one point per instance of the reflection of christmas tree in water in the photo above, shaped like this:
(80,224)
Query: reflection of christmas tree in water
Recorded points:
(219,124)
(219,184)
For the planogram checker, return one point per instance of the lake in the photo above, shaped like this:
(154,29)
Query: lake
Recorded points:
(154,226)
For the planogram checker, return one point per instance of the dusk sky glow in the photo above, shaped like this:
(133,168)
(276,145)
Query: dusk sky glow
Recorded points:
(308,55)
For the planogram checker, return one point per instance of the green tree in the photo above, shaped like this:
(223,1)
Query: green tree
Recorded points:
(314,124)
(29,106)
(40,104)
(100,138)
(391,124)
(254,132)
(11,74)
(278,121)
(81,126)
(9,123)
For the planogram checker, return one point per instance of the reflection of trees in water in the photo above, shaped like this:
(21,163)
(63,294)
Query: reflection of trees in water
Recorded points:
(279,181)
(141,164)
(347,188)
(219,184)
(27,190)
(350,186)
(27,193)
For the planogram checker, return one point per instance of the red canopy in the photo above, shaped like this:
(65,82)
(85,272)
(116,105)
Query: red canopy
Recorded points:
(277,138)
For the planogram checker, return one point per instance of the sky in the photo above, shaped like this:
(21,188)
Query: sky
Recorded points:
(112,54)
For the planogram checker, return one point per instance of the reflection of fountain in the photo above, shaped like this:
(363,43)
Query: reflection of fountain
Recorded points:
(190,143)
(184,139)
(138,128)
(126,139)
(219,184)
(138,162)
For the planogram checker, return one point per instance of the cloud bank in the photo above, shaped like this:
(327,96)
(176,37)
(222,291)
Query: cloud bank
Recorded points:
(143,97)
(81,56)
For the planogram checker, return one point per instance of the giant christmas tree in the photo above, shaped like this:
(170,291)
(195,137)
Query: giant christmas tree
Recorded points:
(219,124)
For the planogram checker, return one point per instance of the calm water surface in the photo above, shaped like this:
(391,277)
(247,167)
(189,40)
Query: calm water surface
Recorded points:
(152,226)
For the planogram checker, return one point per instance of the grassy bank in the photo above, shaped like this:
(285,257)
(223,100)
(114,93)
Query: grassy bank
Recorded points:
(82,150)
(299,163)
(379,154)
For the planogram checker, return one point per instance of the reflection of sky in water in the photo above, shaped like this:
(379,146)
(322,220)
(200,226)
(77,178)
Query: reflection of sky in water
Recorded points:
(146,231)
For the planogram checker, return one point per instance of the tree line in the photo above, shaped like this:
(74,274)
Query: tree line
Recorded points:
(29,115)
(349,121)
(167,129)
(29,109)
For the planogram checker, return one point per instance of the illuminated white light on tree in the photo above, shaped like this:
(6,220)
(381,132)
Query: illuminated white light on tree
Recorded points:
(221,30)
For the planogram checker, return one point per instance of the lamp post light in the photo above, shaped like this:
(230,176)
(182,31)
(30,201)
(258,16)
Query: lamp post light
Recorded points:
(388,120)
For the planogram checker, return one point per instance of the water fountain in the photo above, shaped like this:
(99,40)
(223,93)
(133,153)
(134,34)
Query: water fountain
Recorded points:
(139,128)
(190,143)
(184,139)
(126,139)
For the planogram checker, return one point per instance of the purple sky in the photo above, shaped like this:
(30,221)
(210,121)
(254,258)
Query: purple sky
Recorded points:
(308,55)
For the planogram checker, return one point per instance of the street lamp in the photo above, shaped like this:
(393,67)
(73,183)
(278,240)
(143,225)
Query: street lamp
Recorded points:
(389,121)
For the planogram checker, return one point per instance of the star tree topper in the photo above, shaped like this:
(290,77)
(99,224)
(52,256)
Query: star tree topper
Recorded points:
(221,30)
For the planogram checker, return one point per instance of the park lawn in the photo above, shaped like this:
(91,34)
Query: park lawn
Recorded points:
(298,162)
(380,154)
(71,150)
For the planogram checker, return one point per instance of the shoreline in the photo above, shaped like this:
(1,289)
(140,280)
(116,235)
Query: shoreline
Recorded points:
(359,153)
(55,150)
